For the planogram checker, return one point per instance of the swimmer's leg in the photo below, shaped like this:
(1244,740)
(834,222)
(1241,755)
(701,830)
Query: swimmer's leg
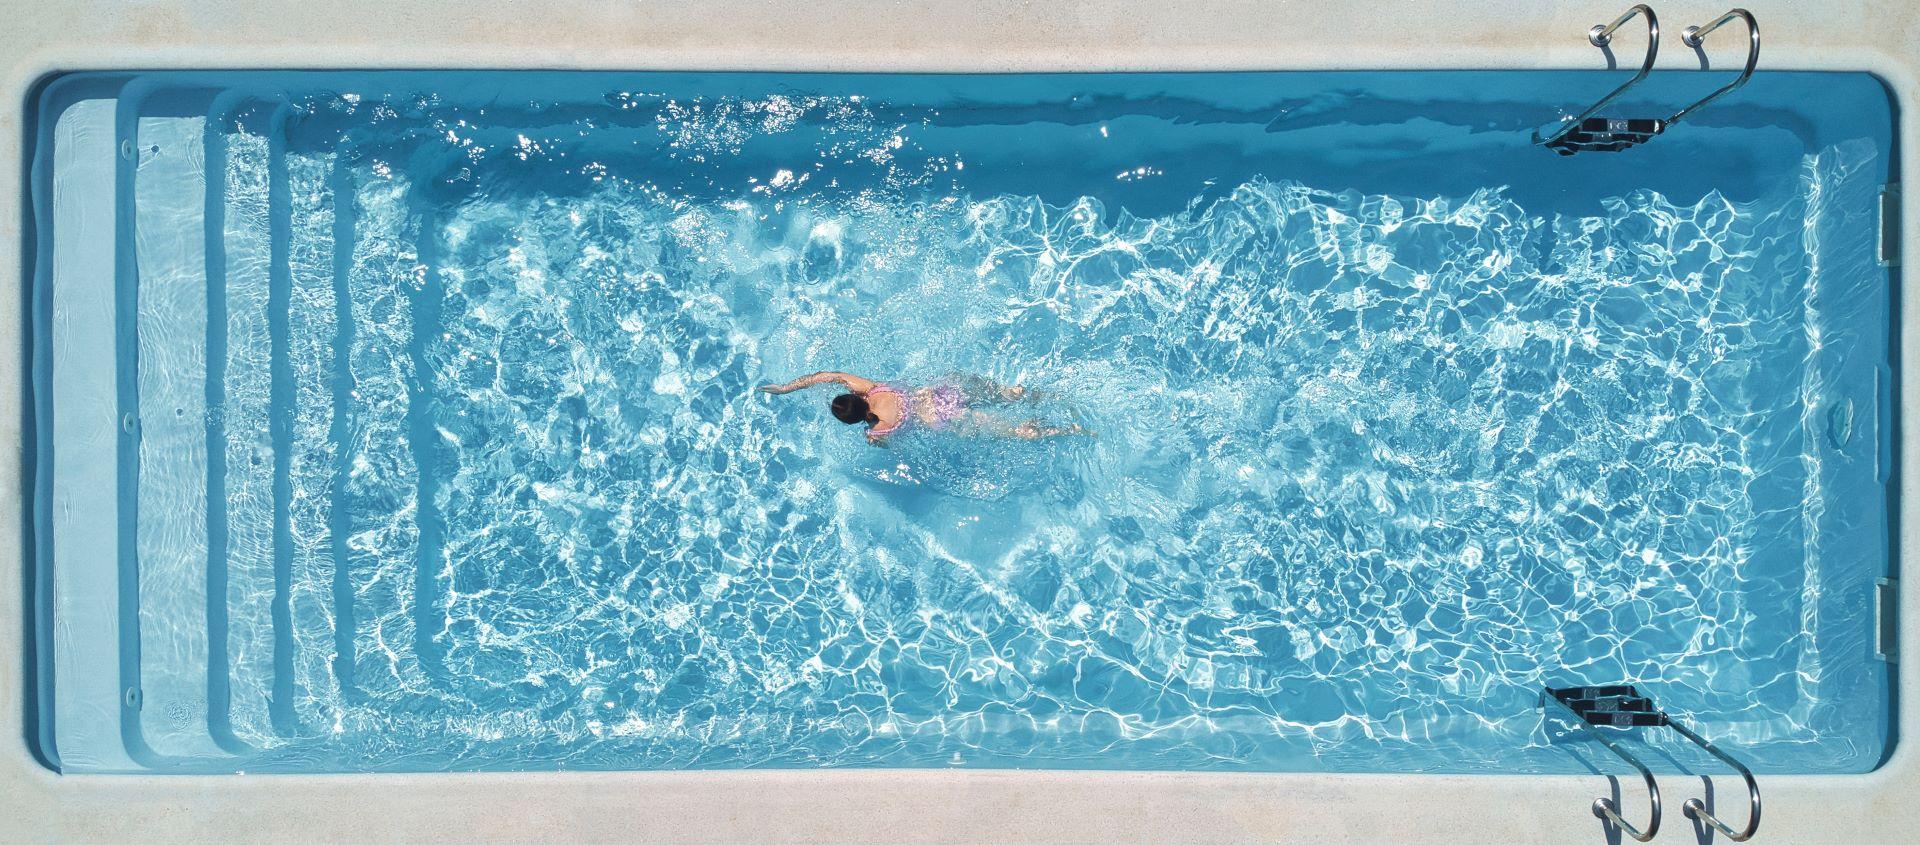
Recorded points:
(1027,430)
(1036,429)
(981,389)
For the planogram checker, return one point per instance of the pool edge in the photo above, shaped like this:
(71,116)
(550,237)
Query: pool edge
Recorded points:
(883,805)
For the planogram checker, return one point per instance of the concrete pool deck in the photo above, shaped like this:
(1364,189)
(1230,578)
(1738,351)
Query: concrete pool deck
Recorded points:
(891,806)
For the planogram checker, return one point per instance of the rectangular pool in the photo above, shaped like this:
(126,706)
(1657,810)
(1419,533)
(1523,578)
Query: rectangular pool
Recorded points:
(406,421)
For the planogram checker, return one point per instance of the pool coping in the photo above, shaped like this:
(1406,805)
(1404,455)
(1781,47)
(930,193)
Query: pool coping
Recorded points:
(881,805)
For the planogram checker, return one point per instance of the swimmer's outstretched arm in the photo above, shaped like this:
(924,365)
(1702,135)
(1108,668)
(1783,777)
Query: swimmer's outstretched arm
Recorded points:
(852,382)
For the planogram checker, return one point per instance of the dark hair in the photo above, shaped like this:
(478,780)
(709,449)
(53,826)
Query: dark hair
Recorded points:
(850,408)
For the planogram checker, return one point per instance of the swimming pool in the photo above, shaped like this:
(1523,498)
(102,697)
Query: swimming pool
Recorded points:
(436,445)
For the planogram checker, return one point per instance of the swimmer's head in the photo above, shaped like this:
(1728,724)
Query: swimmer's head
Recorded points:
(852,408)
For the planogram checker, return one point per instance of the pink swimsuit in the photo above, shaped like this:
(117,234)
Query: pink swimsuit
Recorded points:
(948,403)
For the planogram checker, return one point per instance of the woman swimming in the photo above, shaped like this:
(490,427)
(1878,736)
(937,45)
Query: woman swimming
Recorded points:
(889,408)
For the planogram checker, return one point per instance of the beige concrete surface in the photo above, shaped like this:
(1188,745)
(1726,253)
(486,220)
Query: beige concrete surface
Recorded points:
(887,806)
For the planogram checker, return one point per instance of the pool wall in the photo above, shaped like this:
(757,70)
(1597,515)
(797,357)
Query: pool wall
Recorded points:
(887,805)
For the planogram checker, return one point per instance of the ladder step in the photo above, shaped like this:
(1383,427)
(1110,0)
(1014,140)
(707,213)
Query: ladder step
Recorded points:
(1611,705)
(1571,693)
(1616,706)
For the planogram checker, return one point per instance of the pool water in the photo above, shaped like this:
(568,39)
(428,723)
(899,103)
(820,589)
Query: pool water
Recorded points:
(440,447)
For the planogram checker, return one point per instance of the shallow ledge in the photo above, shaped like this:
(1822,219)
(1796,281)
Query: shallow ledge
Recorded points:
(888,806)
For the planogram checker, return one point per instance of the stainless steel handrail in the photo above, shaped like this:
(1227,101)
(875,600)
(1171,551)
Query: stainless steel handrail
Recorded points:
(1694,36)
(1604,806)
(1697,809)
(1599,36)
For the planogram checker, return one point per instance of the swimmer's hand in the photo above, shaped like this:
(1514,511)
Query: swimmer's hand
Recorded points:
(777,389)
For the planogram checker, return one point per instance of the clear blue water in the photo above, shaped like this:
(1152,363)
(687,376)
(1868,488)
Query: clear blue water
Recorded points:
(1397,419)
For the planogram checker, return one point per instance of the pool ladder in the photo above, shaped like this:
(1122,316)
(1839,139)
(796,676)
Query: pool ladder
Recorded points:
(1589,132)
(1621,706)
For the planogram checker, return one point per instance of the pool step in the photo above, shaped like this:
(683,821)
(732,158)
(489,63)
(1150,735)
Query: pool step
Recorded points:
(376,532)
(241,453)
(162,178)
(75,296)
(312,361)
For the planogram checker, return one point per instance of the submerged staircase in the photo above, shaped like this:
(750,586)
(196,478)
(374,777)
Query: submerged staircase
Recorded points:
(191,381)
